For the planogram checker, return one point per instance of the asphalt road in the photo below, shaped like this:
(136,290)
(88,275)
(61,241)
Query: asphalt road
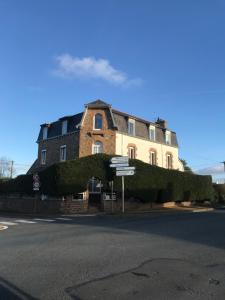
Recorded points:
(176,256)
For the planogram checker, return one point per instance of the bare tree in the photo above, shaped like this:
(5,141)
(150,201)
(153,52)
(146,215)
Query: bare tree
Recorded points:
(6,167)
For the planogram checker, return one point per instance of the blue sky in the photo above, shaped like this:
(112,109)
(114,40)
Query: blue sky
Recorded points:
(148,58)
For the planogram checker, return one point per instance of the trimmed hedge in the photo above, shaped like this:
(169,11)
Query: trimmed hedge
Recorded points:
(219,192)
(150,183)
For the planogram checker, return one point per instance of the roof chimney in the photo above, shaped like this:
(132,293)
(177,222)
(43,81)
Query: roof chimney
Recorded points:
(162,123)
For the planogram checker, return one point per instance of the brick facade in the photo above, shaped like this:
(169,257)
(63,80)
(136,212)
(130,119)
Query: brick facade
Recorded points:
(88,135)
(52,147)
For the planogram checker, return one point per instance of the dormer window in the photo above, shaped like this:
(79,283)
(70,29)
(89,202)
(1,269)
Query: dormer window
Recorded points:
(45,133)
(131,127)
(168,137)
(64,127)
(98,121)
(152,133)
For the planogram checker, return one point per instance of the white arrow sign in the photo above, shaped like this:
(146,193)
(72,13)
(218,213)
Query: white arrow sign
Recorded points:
(119,165)
(124,173)
(125,168)
(119,159)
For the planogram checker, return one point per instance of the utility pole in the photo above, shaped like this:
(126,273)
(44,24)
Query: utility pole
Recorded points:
(11,169)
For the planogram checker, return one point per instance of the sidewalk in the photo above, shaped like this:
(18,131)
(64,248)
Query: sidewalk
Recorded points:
(167,210)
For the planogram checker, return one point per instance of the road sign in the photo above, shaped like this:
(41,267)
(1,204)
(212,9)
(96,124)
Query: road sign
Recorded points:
(36,182)
(124,173)
(119,165)
(119,159)
(125,168)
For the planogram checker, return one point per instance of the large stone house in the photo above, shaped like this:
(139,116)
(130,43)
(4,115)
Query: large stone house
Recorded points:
(102,129)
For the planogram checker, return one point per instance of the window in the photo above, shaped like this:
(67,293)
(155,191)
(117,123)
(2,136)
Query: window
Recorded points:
(153,157)
(97,147)
(63,153)
(152,133)
(45,133)
(64,127)
(43,157)
(131,152)
(131,127)
(98,121)
(168,137)
(169,159)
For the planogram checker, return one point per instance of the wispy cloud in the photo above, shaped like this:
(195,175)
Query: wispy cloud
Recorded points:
(92,68)
(213,170)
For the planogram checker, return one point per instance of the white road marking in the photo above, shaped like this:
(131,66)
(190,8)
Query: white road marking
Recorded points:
(3,227)
(25,221)
(8,223)
(64,219)
(44,220)
(83,215)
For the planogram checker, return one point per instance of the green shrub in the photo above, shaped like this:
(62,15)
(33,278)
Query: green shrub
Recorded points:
(219,193)
(149,184)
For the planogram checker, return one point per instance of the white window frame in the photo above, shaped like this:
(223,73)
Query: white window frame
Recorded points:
(94,122)
(45,133)
(151,161)
(95,148)
(168,137)
(64,127)
(152,129)
(169,165)
(130,149)
(63,153)
(43,156)
(131,121)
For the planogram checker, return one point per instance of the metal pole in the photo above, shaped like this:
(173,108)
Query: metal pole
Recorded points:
(112,194)
(123,194)
(11,169)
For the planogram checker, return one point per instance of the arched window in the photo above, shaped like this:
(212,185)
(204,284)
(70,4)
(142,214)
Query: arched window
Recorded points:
(98,121)
(169,161)
(97,147)
(153,157)
(131,152)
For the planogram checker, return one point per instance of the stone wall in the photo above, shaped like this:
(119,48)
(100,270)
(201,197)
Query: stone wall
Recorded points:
(52,147)
(71,206)
(26,204)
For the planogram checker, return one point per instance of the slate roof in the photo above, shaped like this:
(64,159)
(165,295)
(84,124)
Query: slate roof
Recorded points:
(119,120)
(55,128)
(97,103)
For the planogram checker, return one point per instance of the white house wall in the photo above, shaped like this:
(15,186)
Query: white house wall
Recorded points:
(143,150)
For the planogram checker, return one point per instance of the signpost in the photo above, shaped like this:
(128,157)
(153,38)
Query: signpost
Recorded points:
(124,173)
(36,182)
(121,163)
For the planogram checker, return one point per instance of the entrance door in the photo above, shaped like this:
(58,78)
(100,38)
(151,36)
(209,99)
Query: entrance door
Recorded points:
(95,191)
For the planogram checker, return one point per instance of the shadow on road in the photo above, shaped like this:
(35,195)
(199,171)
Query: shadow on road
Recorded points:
(8,291)
(201,228)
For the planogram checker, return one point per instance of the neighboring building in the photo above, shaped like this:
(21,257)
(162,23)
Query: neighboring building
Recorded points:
(101,129)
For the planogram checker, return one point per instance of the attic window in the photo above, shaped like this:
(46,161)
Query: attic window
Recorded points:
(168,137)
(131,127)
(98,121)
(64,127)
(45,133)
(152,133)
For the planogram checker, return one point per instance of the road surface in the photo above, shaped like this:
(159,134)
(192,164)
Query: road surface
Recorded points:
(174,256)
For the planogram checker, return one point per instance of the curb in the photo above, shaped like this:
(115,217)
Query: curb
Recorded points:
(202,210)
